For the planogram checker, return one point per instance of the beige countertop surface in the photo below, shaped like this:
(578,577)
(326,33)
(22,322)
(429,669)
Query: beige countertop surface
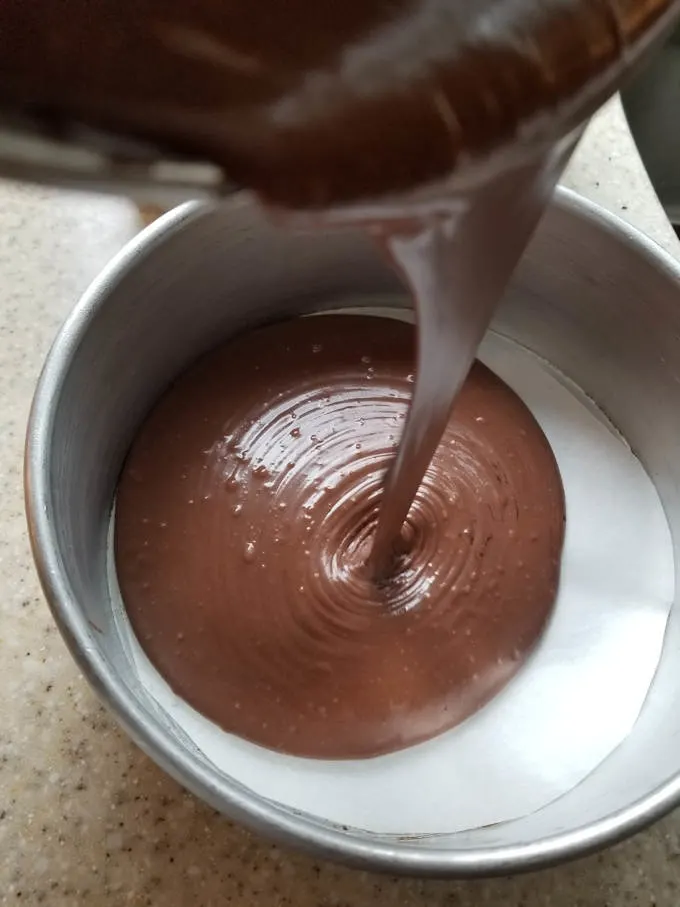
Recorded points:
(85,817)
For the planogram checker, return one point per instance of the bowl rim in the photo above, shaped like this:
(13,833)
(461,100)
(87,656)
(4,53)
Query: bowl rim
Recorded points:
(227,796)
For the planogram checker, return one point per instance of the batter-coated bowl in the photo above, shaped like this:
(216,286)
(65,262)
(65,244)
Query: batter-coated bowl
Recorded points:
(592,295)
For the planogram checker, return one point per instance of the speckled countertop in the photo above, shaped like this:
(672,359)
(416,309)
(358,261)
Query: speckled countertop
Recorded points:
(85,817)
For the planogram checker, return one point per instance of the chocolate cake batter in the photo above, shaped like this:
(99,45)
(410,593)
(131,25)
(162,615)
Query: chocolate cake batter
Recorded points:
(244,522)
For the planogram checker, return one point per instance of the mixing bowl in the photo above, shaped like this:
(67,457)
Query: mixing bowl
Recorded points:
(592,296)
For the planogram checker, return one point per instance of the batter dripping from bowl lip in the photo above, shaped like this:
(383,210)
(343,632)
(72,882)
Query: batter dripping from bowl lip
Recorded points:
(457,263)
(245,515)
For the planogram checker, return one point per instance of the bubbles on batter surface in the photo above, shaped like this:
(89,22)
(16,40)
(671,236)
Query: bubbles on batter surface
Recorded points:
(323,661)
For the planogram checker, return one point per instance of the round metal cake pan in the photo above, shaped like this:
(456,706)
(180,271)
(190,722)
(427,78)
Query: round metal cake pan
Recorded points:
(593,296)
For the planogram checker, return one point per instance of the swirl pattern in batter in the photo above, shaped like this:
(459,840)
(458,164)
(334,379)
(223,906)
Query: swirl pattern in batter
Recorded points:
(244,520)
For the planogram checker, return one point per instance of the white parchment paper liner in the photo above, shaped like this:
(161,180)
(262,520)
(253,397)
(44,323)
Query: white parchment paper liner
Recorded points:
(572,704)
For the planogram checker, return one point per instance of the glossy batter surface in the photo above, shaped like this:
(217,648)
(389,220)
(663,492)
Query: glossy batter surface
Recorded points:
(244,520)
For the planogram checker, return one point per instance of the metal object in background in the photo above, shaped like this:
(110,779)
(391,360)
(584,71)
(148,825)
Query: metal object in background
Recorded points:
(652,106)
(82,158)
(585,286)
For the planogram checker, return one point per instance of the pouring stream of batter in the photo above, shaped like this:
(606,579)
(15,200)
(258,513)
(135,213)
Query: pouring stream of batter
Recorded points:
(457,266)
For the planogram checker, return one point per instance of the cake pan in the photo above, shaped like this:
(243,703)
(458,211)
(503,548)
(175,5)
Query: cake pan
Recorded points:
(593,296)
